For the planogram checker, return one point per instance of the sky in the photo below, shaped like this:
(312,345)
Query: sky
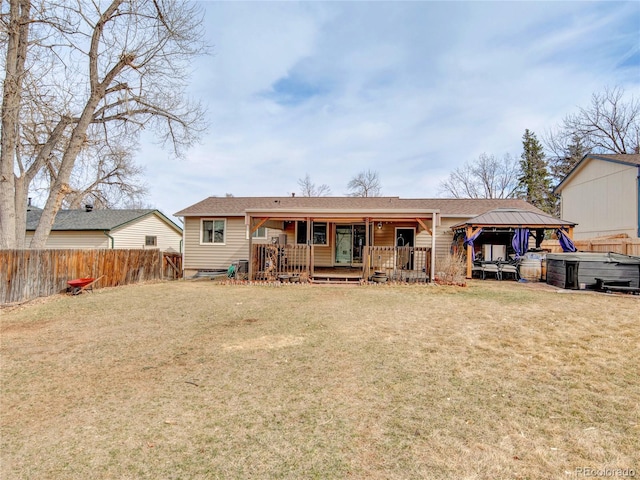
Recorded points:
(410,90)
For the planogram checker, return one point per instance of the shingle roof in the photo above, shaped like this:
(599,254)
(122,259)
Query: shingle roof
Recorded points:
(93,220)
(630,158)
(236,206)
(511,217)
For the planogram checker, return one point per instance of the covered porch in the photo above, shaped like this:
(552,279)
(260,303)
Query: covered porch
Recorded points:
(289,263)
(325,245)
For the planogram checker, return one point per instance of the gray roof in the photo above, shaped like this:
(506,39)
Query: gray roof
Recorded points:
(624,158)
(455,207)
(512,217)
(95,219)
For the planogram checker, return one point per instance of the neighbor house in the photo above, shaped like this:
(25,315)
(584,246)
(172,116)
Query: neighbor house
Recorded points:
(324,237)
(91,228)
(602,195)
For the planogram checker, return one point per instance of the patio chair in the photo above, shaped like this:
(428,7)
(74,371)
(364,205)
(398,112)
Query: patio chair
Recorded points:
(491,268)
(510,268)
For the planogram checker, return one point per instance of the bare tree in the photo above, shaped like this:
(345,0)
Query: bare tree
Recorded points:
(486,177)
(310,189)
(106,181)
(611,124)
(85,71)
(365,184)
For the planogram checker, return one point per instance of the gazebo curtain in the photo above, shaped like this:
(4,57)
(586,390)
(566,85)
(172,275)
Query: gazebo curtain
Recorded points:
(520,241)
(565,242)
(468,241)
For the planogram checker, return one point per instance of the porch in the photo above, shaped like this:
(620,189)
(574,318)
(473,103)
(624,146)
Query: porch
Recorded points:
(272,262)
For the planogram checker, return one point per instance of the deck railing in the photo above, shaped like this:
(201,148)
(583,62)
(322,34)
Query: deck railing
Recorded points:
(399,263)
(402,263)
(271,261)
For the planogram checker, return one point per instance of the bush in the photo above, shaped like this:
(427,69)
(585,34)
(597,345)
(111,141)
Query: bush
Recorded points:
(452,270)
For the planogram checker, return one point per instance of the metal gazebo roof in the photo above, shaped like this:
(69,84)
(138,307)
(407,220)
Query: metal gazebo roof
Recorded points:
(514,218)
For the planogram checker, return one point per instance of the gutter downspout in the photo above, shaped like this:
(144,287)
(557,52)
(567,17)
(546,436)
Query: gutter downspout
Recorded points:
(110,238)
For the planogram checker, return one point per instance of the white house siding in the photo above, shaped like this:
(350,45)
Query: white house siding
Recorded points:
(73,239)
(602,199)
(132,235)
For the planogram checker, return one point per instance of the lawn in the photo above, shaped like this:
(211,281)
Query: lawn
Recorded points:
(201,380)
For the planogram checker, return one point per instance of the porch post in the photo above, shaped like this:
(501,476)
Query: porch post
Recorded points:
(365,257)
(250,266)
(469,252)
(433,246)
(310,248)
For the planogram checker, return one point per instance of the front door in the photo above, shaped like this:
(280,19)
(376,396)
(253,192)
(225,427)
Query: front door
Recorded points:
(405,237)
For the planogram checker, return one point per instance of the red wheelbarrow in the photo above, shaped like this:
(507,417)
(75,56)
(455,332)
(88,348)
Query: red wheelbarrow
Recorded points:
(79,285)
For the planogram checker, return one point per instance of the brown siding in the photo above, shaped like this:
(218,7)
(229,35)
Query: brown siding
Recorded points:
(217,256)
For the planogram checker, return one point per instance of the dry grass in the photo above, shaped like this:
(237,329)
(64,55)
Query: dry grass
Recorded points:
(200,380)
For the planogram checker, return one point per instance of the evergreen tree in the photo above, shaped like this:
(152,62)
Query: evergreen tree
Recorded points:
(566,158)
(535,181)
(562,163)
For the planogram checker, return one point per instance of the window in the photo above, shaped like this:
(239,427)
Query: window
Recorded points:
(318,233)
(301,233)
(150,241)
(260,233)
(213,231)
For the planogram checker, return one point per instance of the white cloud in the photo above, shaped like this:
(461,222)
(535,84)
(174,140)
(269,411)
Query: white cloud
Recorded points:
(410,89)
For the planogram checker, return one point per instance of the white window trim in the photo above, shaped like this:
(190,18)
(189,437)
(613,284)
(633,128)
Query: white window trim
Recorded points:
(224,236)
(155,237)
(326,234)
(257,237)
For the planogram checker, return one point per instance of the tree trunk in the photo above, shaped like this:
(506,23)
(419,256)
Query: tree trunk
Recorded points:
(18,33)
(98,88)
(21,201)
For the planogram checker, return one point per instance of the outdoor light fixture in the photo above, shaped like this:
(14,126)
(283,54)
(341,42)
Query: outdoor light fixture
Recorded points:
(379,225)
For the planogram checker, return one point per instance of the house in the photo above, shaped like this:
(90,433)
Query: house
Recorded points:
(602,194)
(89,228)
(327,237)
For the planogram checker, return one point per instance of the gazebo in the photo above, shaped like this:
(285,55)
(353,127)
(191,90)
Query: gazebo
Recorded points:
(508,229)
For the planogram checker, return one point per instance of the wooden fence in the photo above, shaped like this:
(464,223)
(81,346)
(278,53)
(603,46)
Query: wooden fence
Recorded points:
(623,245)
(28,274)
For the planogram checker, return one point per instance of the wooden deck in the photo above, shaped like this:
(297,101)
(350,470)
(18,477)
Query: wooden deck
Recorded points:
(271,262)
(337,275)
